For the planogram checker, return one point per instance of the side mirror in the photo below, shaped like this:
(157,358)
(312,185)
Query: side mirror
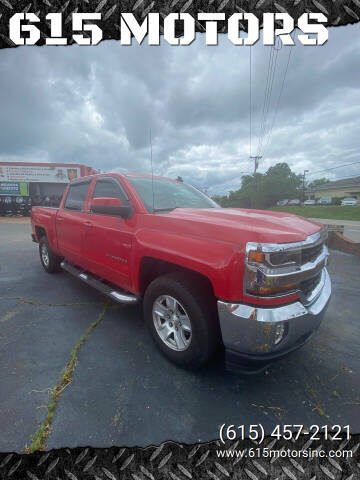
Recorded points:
(111,206)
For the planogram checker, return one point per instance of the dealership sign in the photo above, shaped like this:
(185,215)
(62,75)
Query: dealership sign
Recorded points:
(14,188)
(18,173)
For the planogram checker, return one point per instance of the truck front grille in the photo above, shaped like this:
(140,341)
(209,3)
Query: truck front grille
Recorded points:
(307,286)
(310,254)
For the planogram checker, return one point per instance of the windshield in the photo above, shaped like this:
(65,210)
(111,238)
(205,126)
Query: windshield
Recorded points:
(169,194)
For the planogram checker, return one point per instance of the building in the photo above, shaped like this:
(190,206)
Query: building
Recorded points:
(348,187)
(43,183)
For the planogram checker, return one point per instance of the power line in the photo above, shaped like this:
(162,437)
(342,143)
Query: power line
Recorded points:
(265,95)
(268,92)
(266,100)
(336,179)
(345,178)
(333,168)
(278,100)
(272,81)
(255,158)
(352,176)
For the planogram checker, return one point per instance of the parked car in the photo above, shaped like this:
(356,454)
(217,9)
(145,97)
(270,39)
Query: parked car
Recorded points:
(309,202)
(349,201)
(324,201)
(282,202)
(252,281)
(294,201)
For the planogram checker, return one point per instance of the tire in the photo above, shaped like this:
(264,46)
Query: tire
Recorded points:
(49,260)
(199,305)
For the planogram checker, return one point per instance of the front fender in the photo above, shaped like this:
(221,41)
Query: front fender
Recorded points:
(218,261)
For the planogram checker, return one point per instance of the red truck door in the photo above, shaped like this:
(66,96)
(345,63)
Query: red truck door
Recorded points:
(108,239)
(70,221)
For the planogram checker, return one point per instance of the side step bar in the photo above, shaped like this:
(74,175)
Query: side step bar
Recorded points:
(115,293)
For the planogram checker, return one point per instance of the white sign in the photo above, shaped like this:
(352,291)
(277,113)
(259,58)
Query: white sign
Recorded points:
(26,173)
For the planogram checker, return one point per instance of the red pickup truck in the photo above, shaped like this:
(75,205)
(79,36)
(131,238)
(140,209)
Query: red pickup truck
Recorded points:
(252,281)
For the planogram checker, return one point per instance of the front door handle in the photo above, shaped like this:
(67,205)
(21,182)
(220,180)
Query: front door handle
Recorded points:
(58,219)
(88,224)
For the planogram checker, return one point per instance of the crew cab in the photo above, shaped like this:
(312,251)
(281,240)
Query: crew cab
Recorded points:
(251,281)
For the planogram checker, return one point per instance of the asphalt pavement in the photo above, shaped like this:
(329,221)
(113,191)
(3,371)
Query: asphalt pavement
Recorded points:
(124,392)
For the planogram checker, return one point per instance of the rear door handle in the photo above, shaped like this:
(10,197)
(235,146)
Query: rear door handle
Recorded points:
(88,224)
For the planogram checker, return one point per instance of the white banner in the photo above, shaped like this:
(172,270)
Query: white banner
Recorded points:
(17,173)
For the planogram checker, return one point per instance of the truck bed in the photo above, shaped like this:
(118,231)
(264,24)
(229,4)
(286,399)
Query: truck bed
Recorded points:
(43,220)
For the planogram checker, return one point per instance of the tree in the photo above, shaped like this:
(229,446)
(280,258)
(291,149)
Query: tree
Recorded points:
(264,190)
(319,181)
(280,169)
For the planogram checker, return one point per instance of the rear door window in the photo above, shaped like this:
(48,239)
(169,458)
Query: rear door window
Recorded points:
(75,199)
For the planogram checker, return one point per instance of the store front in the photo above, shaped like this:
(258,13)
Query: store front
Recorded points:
(23,185)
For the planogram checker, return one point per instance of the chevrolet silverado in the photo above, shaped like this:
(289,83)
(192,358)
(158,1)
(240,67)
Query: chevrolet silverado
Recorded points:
(252,281)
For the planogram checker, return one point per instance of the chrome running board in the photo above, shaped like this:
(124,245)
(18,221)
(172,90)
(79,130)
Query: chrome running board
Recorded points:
(116,293)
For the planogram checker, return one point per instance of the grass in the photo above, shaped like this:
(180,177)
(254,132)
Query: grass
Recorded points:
(38,439)
(333,212)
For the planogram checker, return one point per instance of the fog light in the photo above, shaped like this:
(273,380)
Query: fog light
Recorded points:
(279,333)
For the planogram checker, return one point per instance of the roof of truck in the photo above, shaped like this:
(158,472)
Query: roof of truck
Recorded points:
(143,175)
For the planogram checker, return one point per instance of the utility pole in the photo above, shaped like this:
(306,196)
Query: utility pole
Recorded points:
(256,159)
(303,189)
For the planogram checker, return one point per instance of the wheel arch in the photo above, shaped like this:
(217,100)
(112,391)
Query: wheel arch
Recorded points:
(40,232)
(152,268)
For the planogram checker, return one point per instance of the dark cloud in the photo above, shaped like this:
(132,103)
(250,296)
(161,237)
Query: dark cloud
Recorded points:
(96,105)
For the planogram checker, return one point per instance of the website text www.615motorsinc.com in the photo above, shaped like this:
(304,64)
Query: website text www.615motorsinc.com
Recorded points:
(264,452)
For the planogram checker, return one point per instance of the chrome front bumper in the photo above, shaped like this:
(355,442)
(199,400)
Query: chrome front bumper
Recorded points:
(257,333)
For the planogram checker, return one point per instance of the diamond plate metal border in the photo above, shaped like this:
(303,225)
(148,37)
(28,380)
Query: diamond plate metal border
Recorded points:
(338,12)
(183,462)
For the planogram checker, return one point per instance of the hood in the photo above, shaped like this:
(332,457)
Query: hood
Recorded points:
(264,226)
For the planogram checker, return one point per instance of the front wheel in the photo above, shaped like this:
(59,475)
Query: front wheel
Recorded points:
(49,260)
(182,318)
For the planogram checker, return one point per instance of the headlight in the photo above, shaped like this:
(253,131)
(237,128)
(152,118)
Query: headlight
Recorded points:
(273,270)
(258,284)
(269,274)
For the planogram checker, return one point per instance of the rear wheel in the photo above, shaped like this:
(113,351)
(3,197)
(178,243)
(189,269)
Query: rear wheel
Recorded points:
(49,260)
(182,318)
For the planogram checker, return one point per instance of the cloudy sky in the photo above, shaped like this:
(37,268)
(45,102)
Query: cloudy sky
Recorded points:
(96,105)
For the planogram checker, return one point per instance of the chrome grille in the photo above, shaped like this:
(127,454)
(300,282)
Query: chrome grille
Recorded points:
(307,286)
(310,254)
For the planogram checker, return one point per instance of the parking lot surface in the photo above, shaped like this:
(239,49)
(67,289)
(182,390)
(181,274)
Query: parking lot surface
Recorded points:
(351,228)
(124,392)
